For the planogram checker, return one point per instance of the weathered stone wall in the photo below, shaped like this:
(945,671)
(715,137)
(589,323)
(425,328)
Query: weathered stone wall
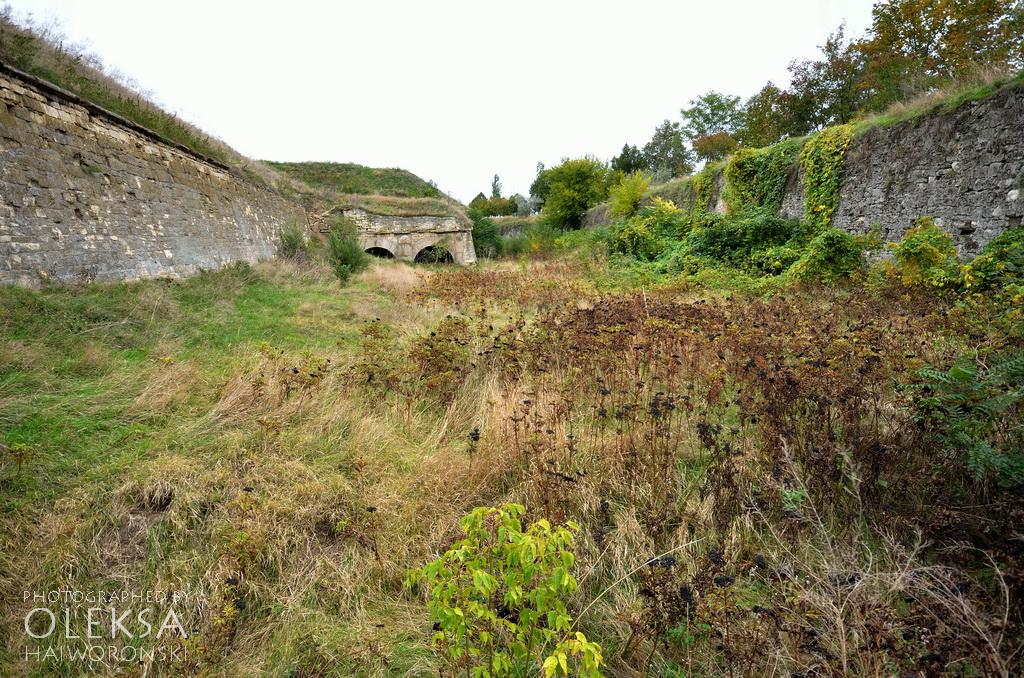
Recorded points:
(86,195)
(406,236)
(965,168)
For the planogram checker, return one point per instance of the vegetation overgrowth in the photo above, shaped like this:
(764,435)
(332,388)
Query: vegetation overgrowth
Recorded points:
(761,473)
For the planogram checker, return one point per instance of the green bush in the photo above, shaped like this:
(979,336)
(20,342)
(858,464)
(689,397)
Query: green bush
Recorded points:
(734,239)
(999,265)
(293,243)
(574,187)
(775,260)
(926,255)
(974,410)
(587,243)
(515,245)
(636,239)
(344,253)
(831,256)
(663,218)
(626,195)
(499,596)
(486,239)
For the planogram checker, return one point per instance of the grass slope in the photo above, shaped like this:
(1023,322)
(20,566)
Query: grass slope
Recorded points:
(350,178)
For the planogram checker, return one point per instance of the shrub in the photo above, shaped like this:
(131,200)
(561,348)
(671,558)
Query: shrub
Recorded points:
(344,253)
(626,195)
(636,239)
(775,260)
(734,239)
(540,238)
(663,218)
(486,238)
(574,187)
(499,595)
(293,243)
(926,255)
(586,242)
(1000,264)
(830,256)
(974,412)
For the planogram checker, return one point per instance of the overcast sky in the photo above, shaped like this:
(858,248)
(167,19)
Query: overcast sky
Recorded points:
(453,91)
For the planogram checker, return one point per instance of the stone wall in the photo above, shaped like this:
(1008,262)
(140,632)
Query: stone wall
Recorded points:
(404,237)
(965,168)
(86,195)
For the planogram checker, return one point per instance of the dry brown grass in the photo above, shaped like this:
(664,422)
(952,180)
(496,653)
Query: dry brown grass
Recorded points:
(394,276)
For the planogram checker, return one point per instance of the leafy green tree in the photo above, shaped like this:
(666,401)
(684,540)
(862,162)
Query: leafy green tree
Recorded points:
(829,90)
(666,152)
(767,117)
(540,187)
(499,598)
(495,187)
(713,147)
(631,159)
(916,44)
(712,113)
(574,187)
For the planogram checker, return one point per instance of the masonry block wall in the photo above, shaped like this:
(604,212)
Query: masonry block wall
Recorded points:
(964,168)
(86,195)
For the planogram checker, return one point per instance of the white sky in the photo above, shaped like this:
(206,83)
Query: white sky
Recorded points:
(453,91)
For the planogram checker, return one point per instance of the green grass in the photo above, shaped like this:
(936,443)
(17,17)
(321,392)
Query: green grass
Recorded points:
(349,178)
(38,56)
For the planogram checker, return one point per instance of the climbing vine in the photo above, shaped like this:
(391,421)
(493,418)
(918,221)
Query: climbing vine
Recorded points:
(822,161)
(756,177)
(703,186)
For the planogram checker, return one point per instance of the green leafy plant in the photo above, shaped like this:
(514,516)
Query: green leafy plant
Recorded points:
(293,243)
(974,410)
(574,187)
(344,253)
(635,238)
(999,264)
(734,239)
(486,238)
(626,195)
(822,161)
(829,257)
(757,177)
(926,255)
(498,596)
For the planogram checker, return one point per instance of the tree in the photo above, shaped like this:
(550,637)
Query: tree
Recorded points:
(666,152)
(768,117)
(713,147)
(495,187)
(917,44)
(829,90)
(631,159)
(574,187)
(712,113)
(540,187)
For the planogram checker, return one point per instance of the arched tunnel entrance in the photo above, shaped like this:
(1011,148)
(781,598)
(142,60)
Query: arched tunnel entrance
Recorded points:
(434,254)
(381,252)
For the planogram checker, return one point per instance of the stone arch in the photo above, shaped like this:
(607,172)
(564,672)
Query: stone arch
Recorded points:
(380,252)
(434,254)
